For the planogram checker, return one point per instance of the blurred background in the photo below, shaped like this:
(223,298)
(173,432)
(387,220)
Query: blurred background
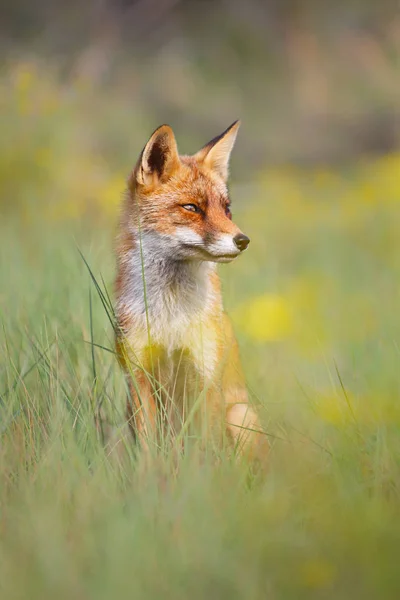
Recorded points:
(315,300)
(83,84)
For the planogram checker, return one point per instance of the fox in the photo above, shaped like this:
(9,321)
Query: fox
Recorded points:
(174,341)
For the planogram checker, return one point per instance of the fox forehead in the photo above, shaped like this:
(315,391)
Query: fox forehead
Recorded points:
(204,183)
(192,183)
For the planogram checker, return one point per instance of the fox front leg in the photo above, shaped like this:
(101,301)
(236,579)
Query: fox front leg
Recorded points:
(142,410)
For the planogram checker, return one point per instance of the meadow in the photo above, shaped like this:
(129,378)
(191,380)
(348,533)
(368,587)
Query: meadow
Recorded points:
(315,305)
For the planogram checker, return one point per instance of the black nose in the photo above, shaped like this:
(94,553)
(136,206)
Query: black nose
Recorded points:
(241,241)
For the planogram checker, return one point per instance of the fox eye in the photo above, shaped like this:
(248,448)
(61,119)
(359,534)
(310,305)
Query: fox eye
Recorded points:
(191,207)
(228,211)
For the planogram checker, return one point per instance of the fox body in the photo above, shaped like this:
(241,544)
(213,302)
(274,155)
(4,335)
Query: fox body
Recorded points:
(174,340)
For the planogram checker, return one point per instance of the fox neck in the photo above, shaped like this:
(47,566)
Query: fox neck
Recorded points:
(162,271)
(164,286)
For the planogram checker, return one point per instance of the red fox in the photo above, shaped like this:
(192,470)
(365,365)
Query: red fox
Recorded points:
(174,341)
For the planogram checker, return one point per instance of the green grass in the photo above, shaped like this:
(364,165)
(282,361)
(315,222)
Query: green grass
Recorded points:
(320,520)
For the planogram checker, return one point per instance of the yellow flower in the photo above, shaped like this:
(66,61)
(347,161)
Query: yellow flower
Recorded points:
(265,318)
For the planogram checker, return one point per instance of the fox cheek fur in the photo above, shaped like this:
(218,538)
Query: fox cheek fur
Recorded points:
(175,225)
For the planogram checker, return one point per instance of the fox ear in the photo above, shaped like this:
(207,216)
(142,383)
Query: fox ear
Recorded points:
(159,158)
(216,153)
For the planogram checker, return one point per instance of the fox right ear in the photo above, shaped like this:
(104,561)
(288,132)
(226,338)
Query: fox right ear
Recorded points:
(159,158)
(216,153)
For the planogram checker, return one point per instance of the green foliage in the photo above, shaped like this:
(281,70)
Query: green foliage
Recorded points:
(321,518)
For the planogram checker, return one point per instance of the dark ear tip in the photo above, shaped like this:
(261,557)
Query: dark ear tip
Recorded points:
(235,125)
(165,127)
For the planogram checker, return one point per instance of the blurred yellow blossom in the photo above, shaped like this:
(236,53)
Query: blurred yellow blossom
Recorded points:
(295,315)
(334,409)
(265,318)
(111,192)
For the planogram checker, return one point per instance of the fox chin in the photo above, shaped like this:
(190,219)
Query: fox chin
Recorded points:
(174,340)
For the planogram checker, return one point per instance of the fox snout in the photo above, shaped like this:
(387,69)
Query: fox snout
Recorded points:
(226,246)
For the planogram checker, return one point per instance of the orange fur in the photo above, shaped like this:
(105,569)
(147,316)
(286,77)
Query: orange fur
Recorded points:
(174,341)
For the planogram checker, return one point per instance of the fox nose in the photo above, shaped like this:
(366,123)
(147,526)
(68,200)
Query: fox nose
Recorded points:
(241,241)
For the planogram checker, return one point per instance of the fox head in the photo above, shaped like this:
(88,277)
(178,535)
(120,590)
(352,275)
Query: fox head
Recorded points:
(183,201)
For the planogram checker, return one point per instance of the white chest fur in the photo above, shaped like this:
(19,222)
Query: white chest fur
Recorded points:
(169,299)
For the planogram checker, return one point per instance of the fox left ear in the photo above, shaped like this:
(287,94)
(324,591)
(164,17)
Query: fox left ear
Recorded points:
(159,158)
(216,153)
